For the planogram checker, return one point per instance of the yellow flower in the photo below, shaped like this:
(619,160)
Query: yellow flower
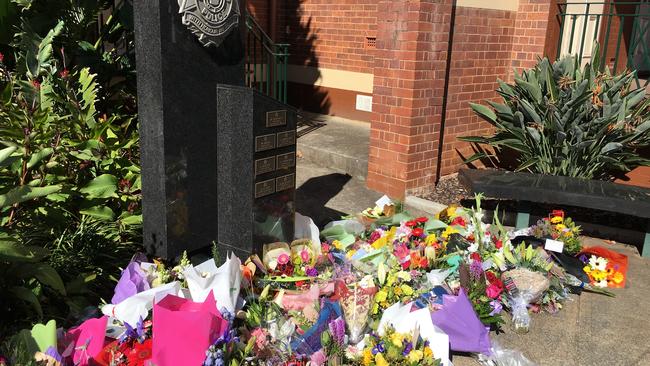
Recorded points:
(391,234)
(397,291)
(396,339)
(380,243)
(381,296)
(451,211)
(430,253)
(556,219)
(560,226)
(430,239)
(428,353)
(617,278)
(415,356)
(403,275)
(367,357)
(587,269)
(380,360)
(337,244)
(598,275)
(408,291)
(448,231)
(350,253)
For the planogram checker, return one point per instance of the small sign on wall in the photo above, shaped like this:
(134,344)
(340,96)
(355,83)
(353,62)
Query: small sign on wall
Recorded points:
(364,103)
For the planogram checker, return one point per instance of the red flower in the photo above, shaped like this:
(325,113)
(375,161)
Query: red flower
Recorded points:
(422,220)
(417,232)
(493,291)
(557,213)
(491,277)
(64,73)
(475,256)
(498,244)
(140,353)
(411,223)
(459,221)
(36,84)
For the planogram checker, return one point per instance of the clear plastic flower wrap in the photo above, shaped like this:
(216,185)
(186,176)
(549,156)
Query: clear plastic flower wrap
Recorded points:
(504,357)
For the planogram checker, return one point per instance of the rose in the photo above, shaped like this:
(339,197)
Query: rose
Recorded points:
(458,221)
(304,255)
(493,291)
(417,232)
(498,244)
(421,220)
(411,223)
(283,259)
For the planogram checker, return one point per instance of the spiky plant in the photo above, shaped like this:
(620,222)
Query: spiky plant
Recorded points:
(563,119)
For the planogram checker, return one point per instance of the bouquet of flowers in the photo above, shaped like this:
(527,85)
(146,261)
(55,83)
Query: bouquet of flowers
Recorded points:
(396,349)
(559,227)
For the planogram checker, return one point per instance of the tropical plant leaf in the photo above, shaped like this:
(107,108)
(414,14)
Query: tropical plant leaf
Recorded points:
(104,186)
(26,193)
(28,296)
(99,212)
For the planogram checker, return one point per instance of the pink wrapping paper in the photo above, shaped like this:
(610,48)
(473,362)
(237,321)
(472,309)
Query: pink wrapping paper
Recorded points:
(88,340)
(183,330)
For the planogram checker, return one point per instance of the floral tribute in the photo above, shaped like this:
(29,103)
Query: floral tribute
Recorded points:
(376,289)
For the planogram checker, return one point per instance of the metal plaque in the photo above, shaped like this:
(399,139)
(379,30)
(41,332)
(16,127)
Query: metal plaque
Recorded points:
(265,165)
(276,118)
(264,142)
(286,161)
(210,20)
(286,138)
(264,188)
(285,182)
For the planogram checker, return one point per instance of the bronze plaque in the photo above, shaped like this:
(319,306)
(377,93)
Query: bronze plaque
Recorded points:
(264,142)
(285,182)
(276,118)
(286,138)
(285,161)
(264,188)
(265,165)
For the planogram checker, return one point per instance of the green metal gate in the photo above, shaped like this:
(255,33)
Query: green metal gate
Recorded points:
(621,27)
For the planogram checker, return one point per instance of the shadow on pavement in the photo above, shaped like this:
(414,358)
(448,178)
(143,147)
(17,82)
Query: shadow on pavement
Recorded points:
(316,192)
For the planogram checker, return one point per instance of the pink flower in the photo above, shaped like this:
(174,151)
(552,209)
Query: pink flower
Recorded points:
(493,291)
(260,335)
(283,259)
(304,255)
(318,358)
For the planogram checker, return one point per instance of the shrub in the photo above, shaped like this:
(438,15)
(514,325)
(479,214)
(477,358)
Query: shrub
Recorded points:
(69,172)
(561,119)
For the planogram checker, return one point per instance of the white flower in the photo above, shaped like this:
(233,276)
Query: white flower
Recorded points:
(598,263)
(473,248)
(602,283)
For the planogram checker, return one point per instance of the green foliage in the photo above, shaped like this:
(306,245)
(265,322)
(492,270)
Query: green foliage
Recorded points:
(69,161)
(561,119)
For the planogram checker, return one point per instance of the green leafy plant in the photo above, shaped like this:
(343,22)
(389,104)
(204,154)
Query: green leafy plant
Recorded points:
(69,170)
(561,119)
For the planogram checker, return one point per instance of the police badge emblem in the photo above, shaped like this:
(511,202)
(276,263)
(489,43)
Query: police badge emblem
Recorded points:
(210,20)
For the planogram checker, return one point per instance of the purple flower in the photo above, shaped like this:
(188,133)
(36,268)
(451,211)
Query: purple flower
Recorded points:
(583,258)
(407,349)
(379,348)
(311,272)
(476,269)
(337,330)
(496,307)
(52,352)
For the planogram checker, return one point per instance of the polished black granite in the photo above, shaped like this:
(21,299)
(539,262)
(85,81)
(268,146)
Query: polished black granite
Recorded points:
(254,209)
(594,194)
(177,79)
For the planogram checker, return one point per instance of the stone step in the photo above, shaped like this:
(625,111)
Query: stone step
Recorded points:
(335,143)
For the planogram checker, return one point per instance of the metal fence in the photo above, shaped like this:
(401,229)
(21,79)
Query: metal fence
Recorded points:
(622,28)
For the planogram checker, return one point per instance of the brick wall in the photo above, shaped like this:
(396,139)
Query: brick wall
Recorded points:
(329,33)
(480,55)
(259,9)
(408,89)
(530,32)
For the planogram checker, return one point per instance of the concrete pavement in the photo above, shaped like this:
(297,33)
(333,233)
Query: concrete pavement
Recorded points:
(590,330)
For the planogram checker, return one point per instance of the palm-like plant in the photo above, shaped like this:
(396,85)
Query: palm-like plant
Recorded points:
(561,119)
